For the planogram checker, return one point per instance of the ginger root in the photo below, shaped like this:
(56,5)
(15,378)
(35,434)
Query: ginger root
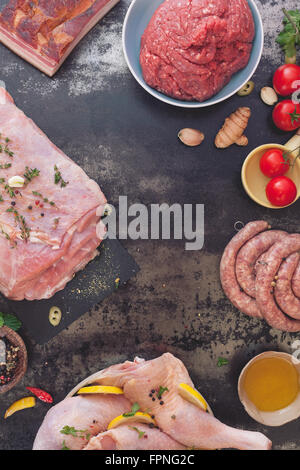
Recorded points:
(233,129)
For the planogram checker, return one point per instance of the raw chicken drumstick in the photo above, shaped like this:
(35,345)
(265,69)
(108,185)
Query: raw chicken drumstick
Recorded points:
(181,420)
(135,436)
(90,414)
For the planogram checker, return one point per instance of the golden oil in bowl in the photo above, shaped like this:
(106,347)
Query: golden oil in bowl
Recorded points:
(271,383)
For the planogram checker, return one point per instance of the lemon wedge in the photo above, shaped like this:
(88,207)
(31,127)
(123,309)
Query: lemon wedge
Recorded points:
(100,389)
(193,396)
(138,417)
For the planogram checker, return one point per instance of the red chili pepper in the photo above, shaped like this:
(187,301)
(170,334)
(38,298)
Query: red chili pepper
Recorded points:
(41,394)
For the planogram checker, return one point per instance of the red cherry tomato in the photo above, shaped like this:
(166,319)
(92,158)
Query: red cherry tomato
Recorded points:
(281,191)
(286,115)
(284,79)
(273,163)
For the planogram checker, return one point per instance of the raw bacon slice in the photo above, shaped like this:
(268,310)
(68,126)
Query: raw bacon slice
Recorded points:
(48,226)
(45,32)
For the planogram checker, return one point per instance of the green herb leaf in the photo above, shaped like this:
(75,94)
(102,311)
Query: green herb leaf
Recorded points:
(141,433)
(222,362)
(64,447)
(10,320)
(289,37)
(71,431)
(161,391)
(31,173)
(58,178)
(135,407)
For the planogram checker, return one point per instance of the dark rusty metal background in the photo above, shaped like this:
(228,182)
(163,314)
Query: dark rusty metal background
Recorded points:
(125,139)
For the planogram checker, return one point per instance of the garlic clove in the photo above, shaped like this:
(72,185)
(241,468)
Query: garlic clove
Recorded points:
(191,137)
(268,95)
(16,182)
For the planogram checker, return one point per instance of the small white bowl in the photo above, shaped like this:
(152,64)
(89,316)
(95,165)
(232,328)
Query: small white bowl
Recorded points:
(270,418)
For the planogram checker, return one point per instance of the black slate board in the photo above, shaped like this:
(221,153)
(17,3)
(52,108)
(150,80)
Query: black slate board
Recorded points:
(88,288)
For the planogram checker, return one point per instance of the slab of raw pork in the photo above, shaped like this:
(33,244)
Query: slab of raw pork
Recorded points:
(47,226)
(45,32)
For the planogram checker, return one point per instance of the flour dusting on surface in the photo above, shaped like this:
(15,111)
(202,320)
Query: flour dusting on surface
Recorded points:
(99,62)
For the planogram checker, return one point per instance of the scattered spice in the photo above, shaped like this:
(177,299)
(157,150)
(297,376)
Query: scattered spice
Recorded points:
(56,222)
(44,199)
(58,178)
(8,368)
(4,166)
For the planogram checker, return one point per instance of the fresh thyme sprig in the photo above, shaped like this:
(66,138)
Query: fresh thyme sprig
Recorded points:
(31,173)
(25,230)
(58,178)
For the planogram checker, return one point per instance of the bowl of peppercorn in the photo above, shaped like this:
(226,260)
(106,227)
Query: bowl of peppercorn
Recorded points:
(13,359)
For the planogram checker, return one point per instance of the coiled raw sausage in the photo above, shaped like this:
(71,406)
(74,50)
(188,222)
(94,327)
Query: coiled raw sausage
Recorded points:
(250,253)
(296,282)
(231,287)
(285,297)
(266,273)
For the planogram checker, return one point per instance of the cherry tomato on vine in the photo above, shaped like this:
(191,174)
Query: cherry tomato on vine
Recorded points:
(281,191)
(273,163)
(285,78)
(286,115)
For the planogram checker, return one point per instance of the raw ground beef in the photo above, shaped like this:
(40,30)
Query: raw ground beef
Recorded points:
(191,48)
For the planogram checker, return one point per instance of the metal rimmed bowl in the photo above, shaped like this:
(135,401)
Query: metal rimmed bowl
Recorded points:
(137,18)
(21,368)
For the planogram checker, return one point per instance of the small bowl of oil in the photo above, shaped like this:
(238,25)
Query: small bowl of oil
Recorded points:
(269,388)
